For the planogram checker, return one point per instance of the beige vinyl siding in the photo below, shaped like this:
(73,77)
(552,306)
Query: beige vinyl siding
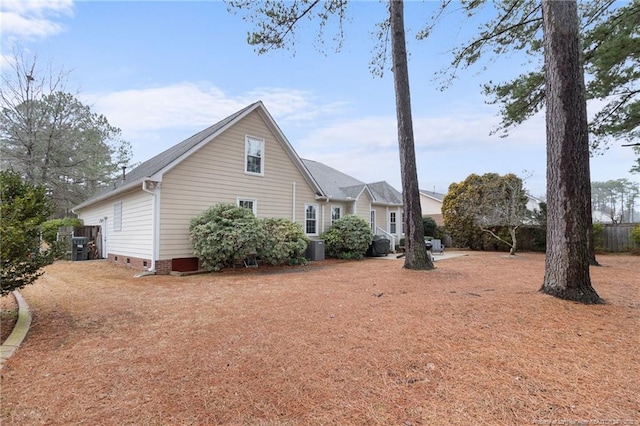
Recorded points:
(215,174)
(135,237)
(381,217)
(325,214)
(94,215)
(429,206)
(363,206)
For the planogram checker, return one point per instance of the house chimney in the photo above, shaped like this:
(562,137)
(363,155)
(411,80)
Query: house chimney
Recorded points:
(124,172)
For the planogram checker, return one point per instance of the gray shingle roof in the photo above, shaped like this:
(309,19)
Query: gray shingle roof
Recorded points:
(340,186)
(333,183)
(165,158)
(438,196)
(383,191)
(331,180)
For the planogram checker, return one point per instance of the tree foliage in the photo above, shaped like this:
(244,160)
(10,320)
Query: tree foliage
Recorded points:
(430,227)
(611,54)
(23,208)
(52,139)
(275,25)
(458,221)
(50,227)
(615,200)
(636,167)
(348,238)
(635,234)
(486,204)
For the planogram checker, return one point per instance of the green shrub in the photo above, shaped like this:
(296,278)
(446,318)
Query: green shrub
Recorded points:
(225,235)
(50,228)
(285,242)
(635,234)
(598,236)
(430,226)
(348,238)
(23,208)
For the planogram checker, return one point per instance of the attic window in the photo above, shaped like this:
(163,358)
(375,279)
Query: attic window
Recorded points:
(254,155)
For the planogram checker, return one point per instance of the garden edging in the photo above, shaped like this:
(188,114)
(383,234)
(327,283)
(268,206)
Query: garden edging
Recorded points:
(19,332)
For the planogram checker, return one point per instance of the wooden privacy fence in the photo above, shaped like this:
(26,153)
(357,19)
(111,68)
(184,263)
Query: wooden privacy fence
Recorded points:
(617,237)
(93,233)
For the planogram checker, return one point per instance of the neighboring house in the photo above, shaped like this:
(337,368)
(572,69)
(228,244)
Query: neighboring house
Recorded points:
(533,203)
(244,159)
(431,204)
(532,206)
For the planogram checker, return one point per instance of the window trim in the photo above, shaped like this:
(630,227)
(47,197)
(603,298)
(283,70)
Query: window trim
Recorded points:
(372,220)
(117,216)
(254,208)
(340,215)
(306,219)
(393,222)
(247,139)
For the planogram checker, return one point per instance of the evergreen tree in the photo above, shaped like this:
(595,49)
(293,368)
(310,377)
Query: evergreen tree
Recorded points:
(23,208)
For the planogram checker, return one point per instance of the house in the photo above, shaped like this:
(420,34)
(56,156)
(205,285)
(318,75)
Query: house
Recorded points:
(244,159)
(378,203)
(431,204)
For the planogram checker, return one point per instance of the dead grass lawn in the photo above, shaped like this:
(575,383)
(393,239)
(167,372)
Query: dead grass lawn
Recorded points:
(362,343)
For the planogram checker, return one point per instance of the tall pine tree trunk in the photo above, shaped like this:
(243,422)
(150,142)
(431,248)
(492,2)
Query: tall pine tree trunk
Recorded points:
(416,256)
(568,178)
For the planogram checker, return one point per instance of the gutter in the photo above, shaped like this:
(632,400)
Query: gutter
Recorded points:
(106,195)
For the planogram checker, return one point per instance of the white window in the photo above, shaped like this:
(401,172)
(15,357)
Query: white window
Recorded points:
(336,213)
(392,222)
(248,203)
(373,221)
(311,219)
(254,155)
(117,216)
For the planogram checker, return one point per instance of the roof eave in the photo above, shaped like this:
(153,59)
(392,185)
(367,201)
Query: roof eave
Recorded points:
(107,195)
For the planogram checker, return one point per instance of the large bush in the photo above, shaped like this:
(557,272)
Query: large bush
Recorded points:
(635,234)
(285,242)
(348,238)
(598,236)
(23,208)
(225,235)
(50,228)
(430,226)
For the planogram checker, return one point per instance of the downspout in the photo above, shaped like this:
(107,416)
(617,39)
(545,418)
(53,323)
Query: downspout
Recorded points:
(155,222)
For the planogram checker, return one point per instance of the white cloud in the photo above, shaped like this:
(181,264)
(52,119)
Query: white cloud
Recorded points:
(189,105)
(30,19)
(448,147)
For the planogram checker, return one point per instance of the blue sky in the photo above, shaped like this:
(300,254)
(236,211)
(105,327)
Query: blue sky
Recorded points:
(162,71)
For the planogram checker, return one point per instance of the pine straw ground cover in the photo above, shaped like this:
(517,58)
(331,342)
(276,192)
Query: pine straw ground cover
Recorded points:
(8,315)
(358,343)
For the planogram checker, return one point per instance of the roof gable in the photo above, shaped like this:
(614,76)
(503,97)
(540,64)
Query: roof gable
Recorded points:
(383,192)
(156,166)
(342,187)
